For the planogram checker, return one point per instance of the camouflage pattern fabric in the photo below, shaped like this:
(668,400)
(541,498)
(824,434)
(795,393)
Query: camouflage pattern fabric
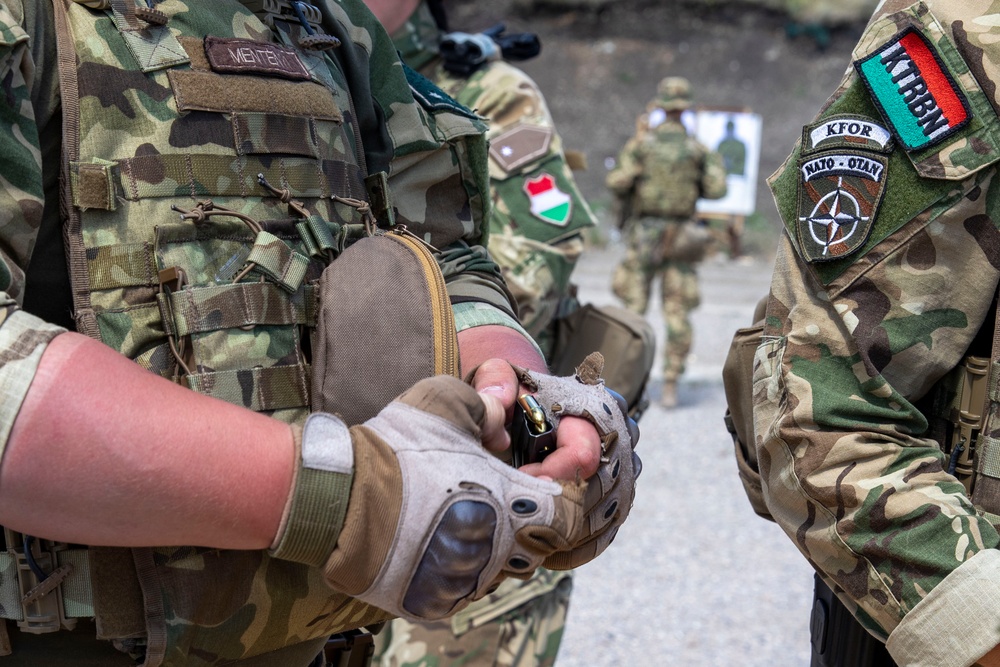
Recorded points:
(663,172)
(537,248)
(519,625)
(881,284)
(538,211)
(161,124)
(633,280)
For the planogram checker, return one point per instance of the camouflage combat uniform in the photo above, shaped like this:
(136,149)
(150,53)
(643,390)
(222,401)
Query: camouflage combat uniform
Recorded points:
(888,271)
(170,108)
(663,172)
(536,239)
(538,214)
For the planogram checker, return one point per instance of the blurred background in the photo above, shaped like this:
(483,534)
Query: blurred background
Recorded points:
(601,61)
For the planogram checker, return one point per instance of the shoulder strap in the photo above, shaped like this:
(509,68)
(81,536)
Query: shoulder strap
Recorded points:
(86,322)
(986,488)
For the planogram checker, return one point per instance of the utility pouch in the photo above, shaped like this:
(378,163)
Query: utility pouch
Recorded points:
(385,322)
(737,380)
(690,242)
(626,340)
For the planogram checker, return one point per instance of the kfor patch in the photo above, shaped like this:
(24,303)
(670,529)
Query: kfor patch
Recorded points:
(842,176)
(914,91)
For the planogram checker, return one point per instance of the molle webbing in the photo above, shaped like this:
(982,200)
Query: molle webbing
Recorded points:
(258,389)
(203,309)
(77,600)
(196,234)
(159,176)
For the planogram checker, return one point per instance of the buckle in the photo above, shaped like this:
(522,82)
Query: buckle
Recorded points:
(353,648)
(39,580)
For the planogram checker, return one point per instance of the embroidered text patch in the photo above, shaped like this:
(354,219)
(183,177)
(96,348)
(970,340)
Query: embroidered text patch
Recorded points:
(914,91)
(243,56)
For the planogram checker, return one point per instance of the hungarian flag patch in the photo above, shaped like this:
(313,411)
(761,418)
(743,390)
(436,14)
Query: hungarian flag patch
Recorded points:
(548,202)
(914,91)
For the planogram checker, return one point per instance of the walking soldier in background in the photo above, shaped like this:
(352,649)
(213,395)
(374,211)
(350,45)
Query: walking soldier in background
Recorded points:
(663,172)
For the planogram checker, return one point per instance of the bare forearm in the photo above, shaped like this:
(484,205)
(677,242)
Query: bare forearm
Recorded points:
(103,452)
(479,344)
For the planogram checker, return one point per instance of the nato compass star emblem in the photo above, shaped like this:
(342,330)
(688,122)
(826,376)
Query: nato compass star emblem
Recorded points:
(839,193)
(833,218)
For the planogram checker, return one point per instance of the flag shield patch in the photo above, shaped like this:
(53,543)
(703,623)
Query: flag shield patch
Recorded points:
(914,90)
(839,194)
(548,202)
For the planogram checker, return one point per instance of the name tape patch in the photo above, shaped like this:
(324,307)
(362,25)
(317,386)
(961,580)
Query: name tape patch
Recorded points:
(914,90)
(243,56)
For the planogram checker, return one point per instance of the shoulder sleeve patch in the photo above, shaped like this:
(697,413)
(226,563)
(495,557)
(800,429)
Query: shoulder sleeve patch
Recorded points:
(841,197)
(520,145)
(433,98)
(913,89)
(928,95)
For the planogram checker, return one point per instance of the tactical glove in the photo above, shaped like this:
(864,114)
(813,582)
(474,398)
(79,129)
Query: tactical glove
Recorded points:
(610,492)
(409,513)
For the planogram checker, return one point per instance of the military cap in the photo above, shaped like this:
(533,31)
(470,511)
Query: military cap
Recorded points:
(673,93)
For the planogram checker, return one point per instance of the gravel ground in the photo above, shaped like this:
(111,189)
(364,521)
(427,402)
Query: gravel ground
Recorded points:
(694,578)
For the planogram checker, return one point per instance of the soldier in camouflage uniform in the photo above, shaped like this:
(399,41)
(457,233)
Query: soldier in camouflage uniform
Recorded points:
(885,281)
(663,172)
(535,236)
(538,214)
(199,168)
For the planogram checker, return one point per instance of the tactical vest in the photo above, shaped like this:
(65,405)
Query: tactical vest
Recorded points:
(670,181)
(208,180)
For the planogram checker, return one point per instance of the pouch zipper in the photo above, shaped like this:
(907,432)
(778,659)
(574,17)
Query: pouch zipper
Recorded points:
(446,357)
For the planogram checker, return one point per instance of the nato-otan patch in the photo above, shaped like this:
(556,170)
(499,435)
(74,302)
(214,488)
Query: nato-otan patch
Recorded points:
(548,203)
(846,131)
(520,145)
(914,91)
(839,194)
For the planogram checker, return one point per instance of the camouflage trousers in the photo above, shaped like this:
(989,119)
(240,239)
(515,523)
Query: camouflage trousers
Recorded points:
(520,625)
(633,281)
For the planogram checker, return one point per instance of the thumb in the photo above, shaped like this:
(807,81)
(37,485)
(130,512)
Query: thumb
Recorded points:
(495,436)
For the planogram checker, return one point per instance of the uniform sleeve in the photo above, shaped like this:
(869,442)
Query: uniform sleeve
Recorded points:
(432,149)
(621,179)
(713,177)
(23,337)
(868,311)
(538,212)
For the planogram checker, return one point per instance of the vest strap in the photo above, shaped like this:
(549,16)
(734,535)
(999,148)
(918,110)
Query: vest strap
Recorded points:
(259,389)
(194,310)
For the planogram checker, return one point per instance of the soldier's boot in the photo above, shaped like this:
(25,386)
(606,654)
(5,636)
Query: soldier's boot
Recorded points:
(668,397)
